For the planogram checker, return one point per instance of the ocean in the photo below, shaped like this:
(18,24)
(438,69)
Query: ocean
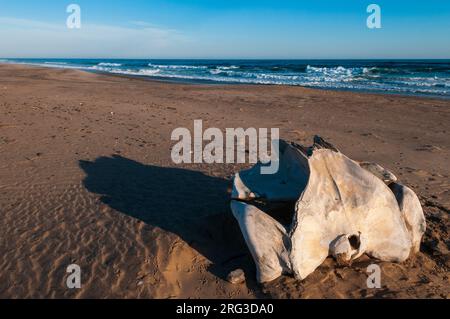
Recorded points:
(410,77)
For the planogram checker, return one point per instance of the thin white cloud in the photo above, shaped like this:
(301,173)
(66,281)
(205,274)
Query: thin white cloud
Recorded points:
(30,38)
(145,24)
(7,22)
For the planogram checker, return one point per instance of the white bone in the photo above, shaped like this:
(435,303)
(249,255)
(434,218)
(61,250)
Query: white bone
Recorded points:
(342,209)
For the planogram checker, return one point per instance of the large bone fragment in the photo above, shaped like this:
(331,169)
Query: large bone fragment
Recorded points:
(342,208)
(266,238)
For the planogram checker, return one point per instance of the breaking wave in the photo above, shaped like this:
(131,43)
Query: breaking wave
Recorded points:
(109,64)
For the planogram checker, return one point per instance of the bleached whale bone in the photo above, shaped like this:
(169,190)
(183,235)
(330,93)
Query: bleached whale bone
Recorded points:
(342,208)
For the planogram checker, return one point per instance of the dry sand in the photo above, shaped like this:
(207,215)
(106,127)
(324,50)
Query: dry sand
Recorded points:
(86,177)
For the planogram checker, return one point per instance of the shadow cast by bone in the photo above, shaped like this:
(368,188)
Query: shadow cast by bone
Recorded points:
(190,204)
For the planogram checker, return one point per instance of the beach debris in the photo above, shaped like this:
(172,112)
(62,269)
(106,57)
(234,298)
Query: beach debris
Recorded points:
(429,148)
(236,277)
(335,206)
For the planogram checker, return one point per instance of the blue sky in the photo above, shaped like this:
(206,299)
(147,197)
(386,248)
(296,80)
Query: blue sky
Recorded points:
(225,29)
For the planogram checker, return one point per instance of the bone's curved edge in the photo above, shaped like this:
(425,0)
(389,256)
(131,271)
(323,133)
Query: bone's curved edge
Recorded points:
(379,171)
(240,190)
(284,185)
(412,213)
(266,239)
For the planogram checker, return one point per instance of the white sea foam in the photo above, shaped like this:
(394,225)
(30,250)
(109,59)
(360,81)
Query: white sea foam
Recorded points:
(216,71)
(177,66)
(225,70)
(141,72)
(231,67)
(109,64)
(56,63)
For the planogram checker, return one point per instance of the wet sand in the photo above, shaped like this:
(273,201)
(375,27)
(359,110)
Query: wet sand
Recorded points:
(86,177)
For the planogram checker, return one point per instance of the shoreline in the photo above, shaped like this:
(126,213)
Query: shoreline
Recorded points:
(208,82)
(213,82)
(86,177)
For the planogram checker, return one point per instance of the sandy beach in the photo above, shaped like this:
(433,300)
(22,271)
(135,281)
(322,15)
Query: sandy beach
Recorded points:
(86,177)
